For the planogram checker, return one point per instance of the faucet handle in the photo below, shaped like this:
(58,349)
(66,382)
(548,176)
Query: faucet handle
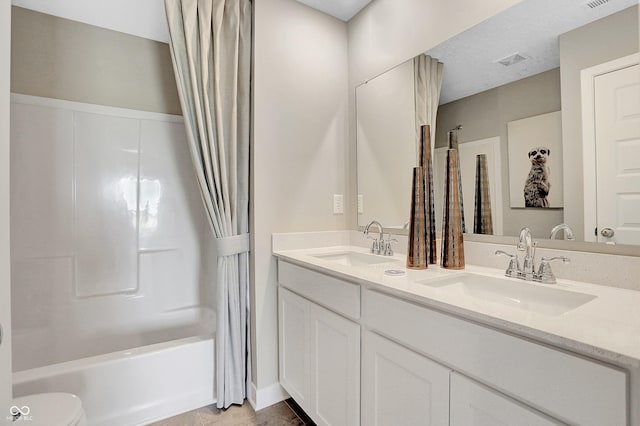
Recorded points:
(512,269)
(388,251)
(549,259)
(376,246)
(545,274)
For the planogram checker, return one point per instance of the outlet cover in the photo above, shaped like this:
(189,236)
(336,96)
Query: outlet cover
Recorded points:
(338,204)
(360,204)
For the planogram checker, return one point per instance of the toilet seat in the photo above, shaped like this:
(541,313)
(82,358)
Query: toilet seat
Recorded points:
(51,409)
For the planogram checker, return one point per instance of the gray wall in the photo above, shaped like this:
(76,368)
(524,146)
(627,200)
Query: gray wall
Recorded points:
(601,41)
(486,115)
(298,152)
(58,58)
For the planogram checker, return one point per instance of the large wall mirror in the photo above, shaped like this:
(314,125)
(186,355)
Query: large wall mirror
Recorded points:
(545,83)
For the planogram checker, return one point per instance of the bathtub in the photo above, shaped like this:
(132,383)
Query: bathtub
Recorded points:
(132,387)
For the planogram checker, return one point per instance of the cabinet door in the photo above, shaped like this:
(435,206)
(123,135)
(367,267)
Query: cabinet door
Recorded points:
(293,332)
(335,364)
(473,404)
(401,387)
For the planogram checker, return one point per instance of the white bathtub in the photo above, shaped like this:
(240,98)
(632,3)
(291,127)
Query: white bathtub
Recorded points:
(132,387)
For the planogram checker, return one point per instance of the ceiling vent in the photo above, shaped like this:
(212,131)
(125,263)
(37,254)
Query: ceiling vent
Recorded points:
(513,59)
(595,3)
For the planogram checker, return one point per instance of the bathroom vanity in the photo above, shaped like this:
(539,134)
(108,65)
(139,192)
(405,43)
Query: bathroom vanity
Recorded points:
(439,347)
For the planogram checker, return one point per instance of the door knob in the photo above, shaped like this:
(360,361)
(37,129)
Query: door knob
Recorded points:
(607,232)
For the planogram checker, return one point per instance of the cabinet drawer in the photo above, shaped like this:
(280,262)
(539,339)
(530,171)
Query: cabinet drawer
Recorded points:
(568,387)
(337,295)
(473,404)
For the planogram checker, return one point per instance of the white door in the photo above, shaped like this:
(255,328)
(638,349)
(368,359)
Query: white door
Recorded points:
(617,137)
(5,277)
(335,361)
(473,404)
(401,387)
(293,332)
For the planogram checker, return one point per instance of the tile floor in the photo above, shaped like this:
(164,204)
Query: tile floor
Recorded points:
(281,414)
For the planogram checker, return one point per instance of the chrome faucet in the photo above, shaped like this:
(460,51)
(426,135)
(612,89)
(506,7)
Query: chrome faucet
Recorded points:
(380,245)
(526,245)
(527,269)
(567,231)
(377,242)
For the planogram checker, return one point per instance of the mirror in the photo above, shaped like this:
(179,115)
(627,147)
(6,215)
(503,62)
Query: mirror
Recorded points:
(514,83)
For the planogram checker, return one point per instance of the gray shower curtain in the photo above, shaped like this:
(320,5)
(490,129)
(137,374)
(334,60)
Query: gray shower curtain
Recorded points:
(211,53)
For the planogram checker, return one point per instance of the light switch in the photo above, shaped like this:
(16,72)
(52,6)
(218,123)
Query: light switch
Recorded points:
(338,204)
(360,204)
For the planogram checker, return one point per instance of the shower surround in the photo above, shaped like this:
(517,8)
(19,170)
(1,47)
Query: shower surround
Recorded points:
(109,237)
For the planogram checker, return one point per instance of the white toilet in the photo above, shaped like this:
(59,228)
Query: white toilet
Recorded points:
(50,409)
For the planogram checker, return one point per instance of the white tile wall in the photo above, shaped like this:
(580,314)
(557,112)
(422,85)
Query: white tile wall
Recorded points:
(108,232)
(41,181)
(106,203)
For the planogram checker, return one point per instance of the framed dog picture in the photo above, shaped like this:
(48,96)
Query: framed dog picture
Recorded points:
(535,161)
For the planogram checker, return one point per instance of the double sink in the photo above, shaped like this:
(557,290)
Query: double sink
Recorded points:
(513,293)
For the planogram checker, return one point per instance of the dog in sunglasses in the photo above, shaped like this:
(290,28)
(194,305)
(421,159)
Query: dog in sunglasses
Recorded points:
(536,187)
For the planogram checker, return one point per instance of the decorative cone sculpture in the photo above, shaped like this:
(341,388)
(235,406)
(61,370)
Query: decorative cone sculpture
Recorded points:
(416,252)
(453,144)
(452,239)
(430,220)
(482,221)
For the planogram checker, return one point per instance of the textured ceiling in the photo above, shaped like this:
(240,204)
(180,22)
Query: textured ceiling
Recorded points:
(341,9)
(530,28)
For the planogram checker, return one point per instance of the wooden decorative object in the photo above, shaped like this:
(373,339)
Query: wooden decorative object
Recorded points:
(482,220)
(452,239)
(425,163)
(453,144)
(416,252)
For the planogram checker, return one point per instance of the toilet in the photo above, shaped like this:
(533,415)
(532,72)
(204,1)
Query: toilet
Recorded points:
(50,409)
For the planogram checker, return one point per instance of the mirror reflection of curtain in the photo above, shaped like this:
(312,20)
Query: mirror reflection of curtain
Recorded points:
(428,82)
(211,52)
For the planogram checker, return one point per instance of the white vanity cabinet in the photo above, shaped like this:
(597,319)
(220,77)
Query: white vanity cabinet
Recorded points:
(401,387)
(319,348)
(423,366)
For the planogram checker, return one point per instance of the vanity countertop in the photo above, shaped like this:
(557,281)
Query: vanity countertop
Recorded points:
(606,328)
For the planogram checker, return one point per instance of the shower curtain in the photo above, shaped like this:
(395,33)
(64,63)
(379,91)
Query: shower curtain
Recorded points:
(211,52)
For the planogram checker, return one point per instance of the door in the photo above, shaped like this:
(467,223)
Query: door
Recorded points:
(335,361)
(5,277)
(401,387)
(293,333)
(617,138)
(473,404)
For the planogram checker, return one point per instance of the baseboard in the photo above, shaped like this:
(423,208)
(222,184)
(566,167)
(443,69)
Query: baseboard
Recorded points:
(264,397)
(161,411)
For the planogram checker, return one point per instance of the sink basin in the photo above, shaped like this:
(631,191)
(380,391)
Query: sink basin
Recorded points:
(353,258)
(520,295)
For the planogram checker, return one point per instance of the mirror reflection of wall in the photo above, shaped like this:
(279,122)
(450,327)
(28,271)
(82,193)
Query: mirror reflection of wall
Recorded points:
(485,115)
(386,148)
(485,101)
(488,113)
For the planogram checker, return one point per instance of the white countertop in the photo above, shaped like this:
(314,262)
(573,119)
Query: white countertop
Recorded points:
(606,328)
